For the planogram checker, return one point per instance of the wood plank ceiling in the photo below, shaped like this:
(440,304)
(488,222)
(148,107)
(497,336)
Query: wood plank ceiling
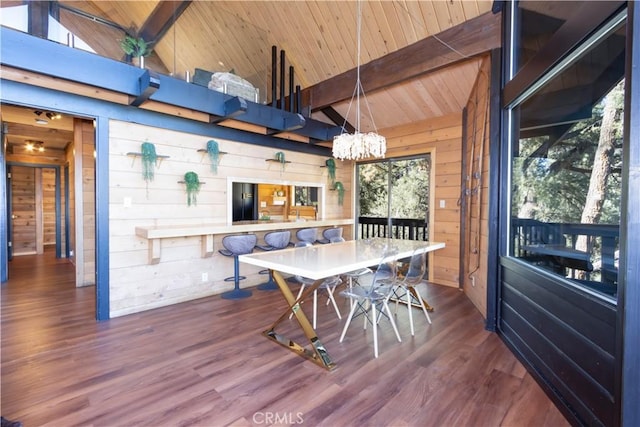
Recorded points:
(318,38)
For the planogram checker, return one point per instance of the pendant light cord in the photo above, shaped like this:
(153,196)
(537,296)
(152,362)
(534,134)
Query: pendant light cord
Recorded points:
(358,82)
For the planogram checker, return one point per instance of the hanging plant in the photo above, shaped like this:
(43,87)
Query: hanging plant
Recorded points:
(149,160)
(214,154)
(340,189)
(193,187)
(135,46)
(281,159)
(331,167)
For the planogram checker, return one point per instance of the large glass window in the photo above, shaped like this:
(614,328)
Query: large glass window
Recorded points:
(537,21)
(405,209)
(566,167)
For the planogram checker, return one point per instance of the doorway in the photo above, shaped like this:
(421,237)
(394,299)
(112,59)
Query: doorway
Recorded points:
(394,198)
(35,220)
(50,195)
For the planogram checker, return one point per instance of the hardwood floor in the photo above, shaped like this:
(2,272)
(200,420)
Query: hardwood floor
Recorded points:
(205,363)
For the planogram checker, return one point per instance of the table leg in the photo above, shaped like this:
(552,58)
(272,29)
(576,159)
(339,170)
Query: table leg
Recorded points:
(318,354)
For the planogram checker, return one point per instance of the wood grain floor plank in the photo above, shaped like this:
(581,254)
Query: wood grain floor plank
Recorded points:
(205,363)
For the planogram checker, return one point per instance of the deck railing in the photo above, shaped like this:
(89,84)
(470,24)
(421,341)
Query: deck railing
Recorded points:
(401,228)
(602,242)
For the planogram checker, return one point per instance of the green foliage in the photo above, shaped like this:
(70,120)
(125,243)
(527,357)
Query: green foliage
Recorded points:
(281,158)
(331,167)
(149,160)
(553,186)
(193,187)
(409,188)
(214,154)
(135,46)
(339,187)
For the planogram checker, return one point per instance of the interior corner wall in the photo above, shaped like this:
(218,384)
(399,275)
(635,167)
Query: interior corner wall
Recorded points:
(475,184)
(84,196)
(442,138)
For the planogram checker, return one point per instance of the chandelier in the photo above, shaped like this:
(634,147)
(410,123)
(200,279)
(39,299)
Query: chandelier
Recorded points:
(358,145)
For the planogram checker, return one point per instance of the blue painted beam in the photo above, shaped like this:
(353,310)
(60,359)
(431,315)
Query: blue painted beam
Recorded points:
(149,83)
(23,51)
(35,96)
(30,53)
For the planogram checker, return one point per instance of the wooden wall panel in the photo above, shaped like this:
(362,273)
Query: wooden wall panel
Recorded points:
(23,203)
(476,190)
(134,284)
(566,334)
(69,159)
(39,212)
(89,202)
(84,201)
(442,137)
(49,206)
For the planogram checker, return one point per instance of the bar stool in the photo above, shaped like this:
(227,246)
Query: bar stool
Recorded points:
(274,240)
(330,233)
(307,235)
(234,245)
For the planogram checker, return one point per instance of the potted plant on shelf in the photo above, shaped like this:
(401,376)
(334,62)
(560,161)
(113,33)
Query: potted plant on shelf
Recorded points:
(280,158)
(193,187)
(214,154)
(330,163)
(339,187)
(135,47)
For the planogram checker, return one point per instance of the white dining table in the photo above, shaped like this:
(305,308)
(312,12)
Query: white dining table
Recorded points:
(319,262)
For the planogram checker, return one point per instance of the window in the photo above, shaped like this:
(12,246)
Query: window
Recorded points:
(566,166)
(407,206)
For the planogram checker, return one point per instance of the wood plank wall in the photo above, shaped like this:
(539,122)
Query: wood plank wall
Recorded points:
(442,137)
(49,206)
(23,204)
(83,184)
(44,188)
(136,285)
(476,181)
(69,161)
(87,133)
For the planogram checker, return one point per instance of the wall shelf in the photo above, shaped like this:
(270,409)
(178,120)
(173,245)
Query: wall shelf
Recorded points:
(202,150)
(276,160)
(184,182)
(136,154)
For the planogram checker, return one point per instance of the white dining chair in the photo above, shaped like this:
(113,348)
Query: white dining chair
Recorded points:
(406,288)
(329,284)
(372,301)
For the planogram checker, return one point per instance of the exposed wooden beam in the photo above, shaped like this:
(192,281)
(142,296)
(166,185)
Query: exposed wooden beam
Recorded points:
(161,19)
(337,118)
(472,38)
